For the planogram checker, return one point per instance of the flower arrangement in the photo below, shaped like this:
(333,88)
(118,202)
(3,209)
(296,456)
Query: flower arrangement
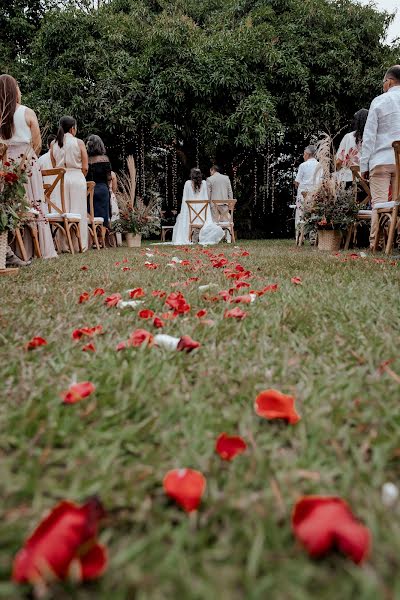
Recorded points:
(13,203)
(330,206)
(135,215)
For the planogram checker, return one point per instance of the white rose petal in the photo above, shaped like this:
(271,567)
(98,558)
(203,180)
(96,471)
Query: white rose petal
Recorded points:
(149,254)
(363,255)
(166,341)
(175,259)
(253,297)
(203,288)
(390,494)
(129,303)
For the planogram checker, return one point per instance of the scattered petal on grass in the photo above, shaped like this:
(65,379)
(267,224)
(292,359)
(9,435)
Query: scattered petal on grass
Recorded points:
(77,391)
(166,341)
(201,313)
(177,302)
(229,446)
(98,292)
(273,287)
(35,342)
(146,313)
(235,313)
(151,266)
(136,293)
(208,286)
(129,303)
(112,300)
(325,523)
(65,537)
(186,487)
(89,347)
(296,280)
(84,298)
(141,337)
(77,334)
(84,268)
(246,299)
(390,494)
(187,344)
(158,323)
(271,404)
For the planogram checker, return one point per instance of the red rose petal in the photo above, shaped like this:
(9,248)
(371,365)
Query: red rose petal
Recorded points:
(35,342)
(201,313)
(186,343)
(137,293)
(146,313)
(235,313)
(271,404)
(77,391)
(98,292)
(229,446)
(141,336)
(186,487)
(84,298)
(296,280)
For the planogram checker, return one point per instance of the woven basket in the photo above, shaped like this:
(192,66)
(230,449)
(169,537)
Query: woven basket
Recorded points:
(329,240)
(3,249)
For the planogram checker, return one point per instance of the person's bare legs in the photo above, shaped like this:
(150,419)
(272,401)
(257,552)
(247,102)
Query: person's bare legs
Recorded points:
(381,177)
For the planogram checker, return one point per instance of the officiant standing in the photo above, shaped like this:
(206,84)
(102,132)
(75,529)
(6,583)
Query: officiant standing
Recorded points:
(219,187)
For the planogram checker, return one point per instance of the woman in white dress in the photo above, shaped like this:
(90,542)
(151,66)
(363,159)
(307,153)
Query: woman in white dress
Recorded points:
(195,189)
(69,152)
(20,132)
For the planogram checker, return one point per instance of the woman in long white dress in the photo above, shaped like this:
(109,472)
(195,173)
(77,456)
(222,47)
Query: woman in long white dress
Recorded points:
(69,152)
(20,132)
(195,189)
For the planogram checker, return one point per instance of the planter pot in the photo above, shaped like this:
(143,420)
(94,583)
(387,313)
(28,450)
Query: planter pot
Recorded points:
(3,249)
(133,241)
(329,240)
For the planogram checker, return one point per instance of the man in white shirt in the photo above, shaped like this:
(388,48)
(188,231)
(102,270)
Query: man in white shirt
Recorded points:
(308,176)
(381,130)
(219,188)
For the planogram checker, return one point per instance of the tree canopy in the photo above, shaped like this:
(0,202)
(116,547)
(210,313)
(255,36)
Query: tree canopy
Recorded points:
(217,77)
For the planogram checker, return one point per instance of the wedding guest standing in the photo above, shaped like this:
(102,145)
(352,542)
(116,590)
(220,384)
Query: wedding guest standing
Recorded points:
(19,130)
(45,164)
(306,179)
(219,187)
(99,172)
(69,152)
(349,152)
(381,130)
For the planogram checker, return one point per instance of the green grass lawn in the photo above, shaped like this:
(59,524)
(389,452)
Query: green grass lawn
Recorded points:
(154,410)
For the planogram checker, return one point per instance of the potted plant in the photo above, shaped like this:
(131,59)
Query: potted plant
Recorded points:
(330,208)
(13,203)
(137,218)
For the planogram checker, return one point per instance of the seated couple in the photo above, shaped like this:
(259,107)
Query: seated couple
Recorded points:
(217,187)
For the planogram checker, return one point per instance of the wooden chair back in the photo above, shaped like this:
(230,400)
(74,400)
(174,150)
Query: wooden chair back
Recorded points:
(58,175)
(396,189)
(359,182)
(231,207)
(198,209)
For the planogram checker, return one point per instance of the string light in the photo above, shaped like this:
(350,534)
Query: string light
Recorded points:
(264,183)
(197,151)
(255,181)
(174,177)
(273,179)
(166,176)
(142,166)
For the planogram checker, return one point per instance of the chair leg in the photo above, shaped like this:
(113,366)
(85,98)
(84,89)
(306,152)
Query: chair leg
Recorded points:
(21,245)
(103,231)
(233,234)
(69,239)
(35,239)
(392,231)
(348,237)
(93,232)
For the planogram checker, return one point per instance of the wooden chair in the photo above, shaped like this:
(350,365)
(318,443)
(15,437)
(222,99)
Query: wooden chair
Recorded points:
(59,219)
(198,210)
(164,230)
(224,221)
(95,224)
(364,214)
(30,222)
(388,212)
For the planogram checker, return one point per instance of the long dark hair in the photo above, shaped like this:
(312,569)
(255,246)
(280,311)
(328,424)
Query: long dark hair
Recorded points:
(66,123)
(8,105)
(95,146)
(197,179)
(358,124)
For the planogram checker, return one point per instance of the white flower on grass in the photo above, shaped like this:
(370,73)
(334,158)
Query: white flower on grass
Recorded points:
(390,494)
(166,341)
(129,303)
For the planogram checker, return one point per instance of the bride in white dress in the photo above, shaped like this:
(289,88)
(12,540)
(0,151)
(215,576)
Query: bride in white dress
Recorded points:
(195,189)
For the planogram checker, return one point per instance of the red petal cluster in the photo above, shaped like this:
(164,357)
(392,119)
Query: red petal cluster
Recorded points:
(324,523)
(271,404)
(77,334)
(35,342)
(146,313)
(235,313)
(84,298)
(229,446)
(177,302)
(186,487)
(112,300)
(137,293)
(77,391)
(187,344)
(63,541)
